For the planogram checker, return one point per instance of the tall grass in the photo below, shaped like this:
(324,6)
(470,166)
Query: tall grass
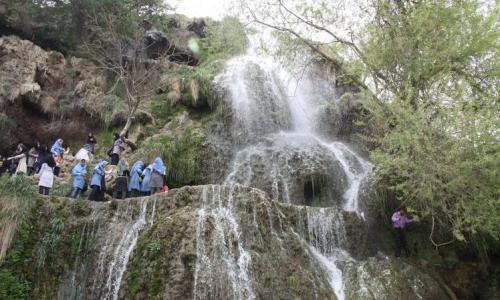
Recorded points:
(17,198)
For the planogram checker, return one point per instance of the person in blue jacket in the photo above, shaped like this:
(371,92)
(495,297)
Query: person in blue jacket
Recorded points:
(157,176)
(79,171)
(135,179)
(98,182)
(146,179)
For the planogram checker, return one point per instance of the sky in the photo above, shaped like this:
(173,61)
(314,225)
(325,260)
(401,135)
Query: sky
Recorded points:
(203,8)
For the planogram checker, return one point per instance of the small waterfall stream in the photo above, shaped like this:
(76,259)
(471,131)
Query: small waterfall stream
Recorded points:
(280,151)
(222,262)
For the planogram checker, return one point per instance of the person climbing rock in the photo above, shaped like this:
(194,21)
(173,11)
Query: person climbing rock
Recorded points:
(32,155)
(121,183)
(98,182)
(79,171)
(46,179)
(146,180)
(19,160)
(92,142)
(135,179)
(118,147)
(399,221)
(57,152)
(157,176)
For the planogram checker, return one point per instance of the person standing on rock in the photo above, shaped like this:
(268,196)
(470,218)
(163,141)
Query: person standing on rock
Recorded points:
(92,141)
(43,157)
(121,183)
(146,180)
(79,171)
(32,156)
(46,179)
(399,221)
(19,160)
(98,182)
(118,147)
(57,152)
(135,179)
(157,176)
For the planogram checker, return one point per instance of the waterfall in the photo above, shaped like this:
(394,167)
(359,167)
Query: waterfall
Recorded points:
(280,150)
(122,234)
(222,262)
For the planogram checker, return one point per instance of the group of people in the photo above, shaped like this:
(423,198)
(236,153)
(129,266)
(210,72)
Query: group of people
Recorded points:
(134,182)
(45,163)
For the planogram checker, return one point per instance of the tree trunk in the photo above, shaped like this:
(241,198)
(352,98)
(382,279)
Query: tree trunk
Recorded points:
(127,125)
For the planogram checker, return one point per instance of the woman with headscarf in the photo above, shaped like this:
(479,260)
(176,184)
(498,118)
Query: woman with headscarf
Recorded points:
(79,171)
(146,179)
(98,182)
(135,179)
(57,152)
(121,183)
(46,179)
(19,160)
(157,176)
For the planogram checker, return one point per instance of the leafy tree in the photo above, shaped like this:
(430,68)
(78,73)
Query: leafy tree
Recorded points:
(428,71)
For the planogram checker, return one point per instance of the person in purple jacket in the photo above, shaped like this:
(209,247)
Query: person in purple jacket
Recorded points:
(399,222)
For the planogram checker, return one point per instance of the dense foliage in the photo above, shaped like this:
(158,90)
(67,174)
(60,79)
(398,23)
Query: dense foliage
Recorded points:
(428,72)
(63,25)
(437,132)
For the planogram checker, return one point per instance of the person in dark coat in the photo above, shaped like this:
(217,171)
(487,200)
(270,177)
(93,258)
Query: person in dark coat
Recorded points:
(121,183)
(118,147)
(32,156)
(92,141)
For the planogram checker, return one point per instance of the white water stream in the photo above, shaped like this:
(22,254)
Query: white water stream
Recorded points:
(274,122)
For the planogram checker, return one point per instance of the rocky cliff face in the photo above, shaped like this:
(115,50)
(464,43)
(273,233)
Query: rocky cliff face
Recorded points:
(206,242)
(43,94)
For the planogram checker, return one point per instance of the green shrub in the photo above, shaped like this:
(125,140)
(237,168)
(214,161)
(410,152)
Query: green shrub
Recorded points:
(18,196)
(12,287)
(182,155)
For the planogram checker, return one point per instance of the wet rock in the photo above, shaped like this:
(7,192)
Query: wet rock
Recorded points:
(388,278)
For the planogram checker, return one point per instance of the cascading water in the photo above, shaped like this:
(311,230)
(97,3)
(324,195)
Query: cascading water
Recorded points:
(281,151)
(222,262)
(122,236)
